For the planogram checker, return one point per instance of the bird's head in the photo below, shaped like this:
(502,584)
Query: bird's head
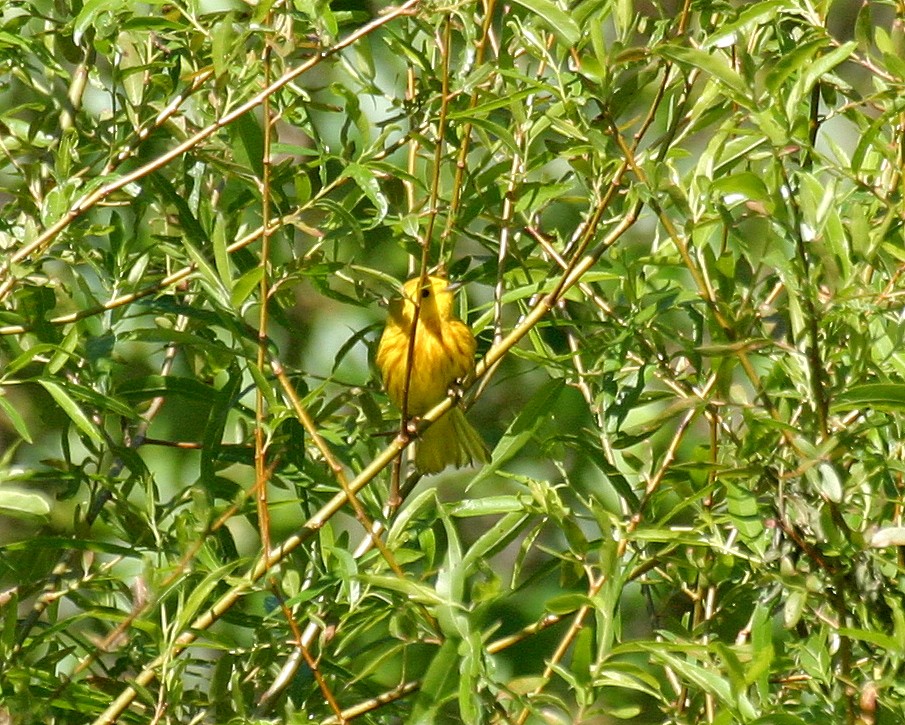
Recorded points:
(434,297)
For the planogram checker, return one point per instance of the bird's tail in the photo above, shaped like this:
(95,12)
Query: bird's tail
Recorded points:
(451,441)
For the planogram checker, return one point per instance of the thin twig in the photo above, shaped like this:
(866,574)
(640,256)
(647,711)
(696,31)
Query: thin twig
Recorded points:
(335,466)
(394,499)
(261,477)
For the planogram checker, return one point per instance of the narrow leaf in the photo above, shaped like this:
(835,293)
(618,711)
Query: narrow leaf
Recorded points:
(565,28)
(879,396)
(23,505)
(523,428)
(16,419)
(75,413)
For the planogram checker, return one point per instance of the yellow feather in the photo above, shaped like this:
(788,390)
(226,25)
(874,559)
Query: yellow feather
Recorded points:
(443,353)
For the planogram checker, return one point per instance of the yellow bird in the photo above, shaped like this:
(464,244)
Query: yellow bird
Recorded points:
(443,353)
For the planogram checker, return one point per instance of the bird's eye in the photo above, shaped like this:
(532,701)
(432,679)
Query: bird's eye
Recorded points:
(425,293)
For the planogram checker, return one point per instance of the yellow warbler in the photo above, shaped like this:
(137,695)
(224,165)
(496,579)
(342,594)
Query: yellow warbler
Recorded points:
(443,352)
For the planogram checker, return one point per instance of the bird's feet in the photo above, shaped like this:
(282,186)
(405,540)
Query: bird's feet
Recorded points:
(456,391)
(411,427)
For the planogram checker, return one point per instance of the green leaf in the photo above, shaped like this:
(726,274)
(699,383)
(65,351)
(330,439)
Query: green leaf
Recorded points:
(438,686)
(104,403)
(708,680)
(498,131)
(560,22)
(629,676)
(367,182)
(221,407)
(815,70)
(827,481)
(153,386)
(741,504)
(248,142)
(793,608)
(26,358)
(194,231)
(65,544)
(794,61)
(23,505)
(223,42)
(745,185)
(655,422)
(75,413)
(207,273)
(878,639)
(496,538)
(15,418)
(482,109)
(471,652)
(451,578)
(89,14)
(489,506)
(762,643)
(811,73)
(198,594)
(10,40)
(522,429)
(888,397)
(567,603)
(245,285)
(756,13)
(713,63)
(412,590)
(221,255)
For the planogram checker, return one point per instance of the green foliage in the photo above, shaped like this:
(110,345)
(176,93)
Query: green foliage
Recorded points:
(680,229)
